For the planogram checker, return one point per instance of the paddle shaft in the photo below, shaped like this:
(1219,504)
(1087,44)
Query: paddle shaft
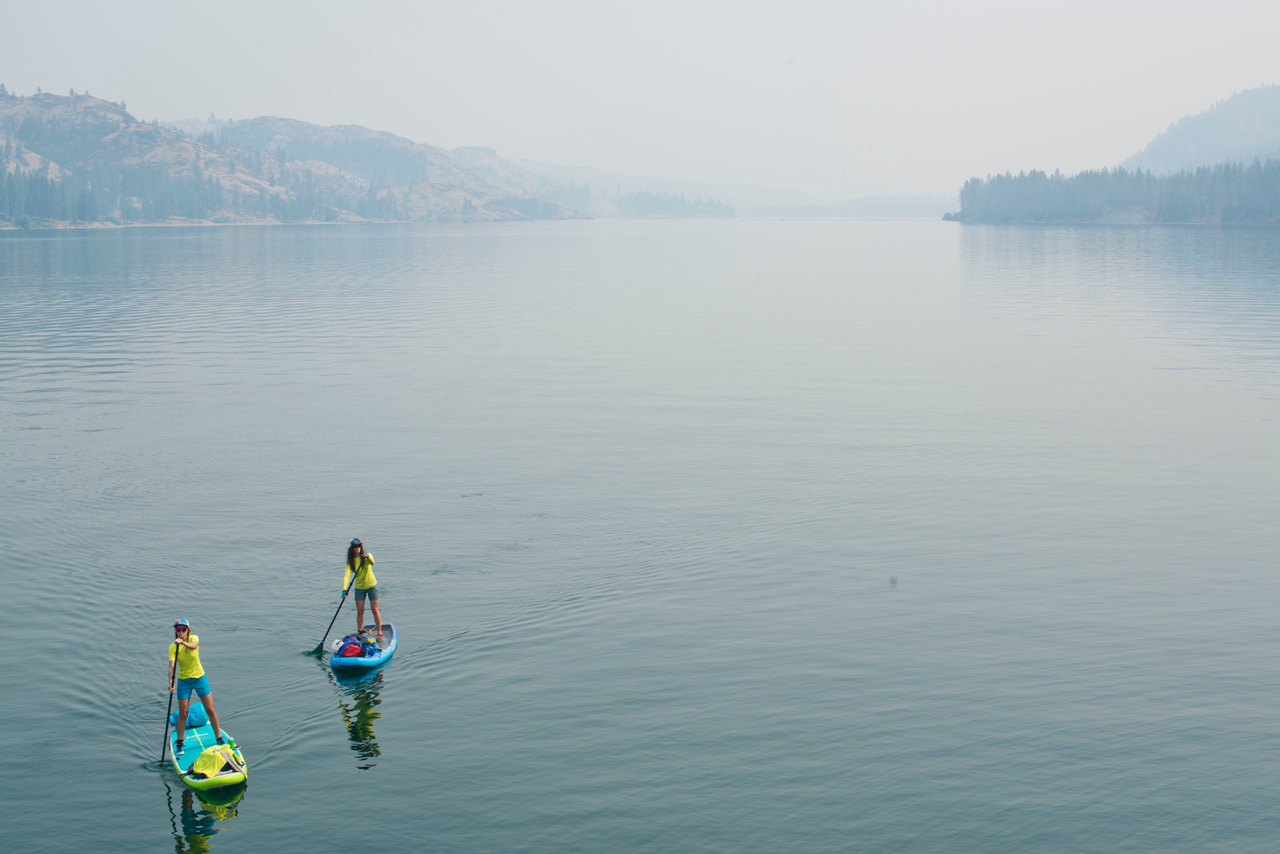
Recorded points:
(335,613)
(165,746)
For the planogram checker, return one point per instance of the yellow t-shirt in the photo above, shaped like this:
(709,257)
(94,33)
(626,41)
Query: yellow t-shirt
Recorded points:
(364,576)
(188,659)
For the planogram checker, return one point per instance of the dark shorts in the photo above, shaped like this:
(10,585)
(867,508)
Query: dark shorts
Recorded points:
(370,593)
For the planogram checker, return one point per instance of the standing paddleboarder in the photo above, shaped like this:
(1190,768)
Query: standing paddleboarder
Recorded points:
(184,654)
(366,584)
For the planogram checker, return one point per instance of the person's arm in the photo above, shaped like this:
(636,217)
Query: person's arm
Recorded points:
(173,664)
(346,579)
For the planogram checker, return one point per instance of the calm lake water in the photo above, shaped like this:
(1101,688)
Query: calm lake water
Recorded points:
(724,536)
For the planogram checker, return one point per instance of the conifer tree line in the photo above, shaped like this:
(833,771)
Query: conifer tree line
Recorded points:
(139,193)
(122,194)
(129,194)
(1226,193)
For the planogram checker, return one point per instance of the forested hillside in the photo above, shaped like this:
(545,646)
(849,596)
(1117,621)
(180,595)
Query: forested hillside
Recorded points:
(79,159)
(1240,129)
(1219,166)
(1227,193)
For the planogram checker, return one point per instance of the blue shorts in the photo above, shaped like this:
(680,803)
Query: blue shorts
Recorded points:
(200,685)
(371,592)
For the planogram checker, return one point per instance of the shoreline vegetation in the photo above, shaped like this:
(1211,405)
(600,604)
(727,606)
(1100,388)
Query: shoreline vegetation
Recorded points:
(26,222)
(77,161)
(1225,194)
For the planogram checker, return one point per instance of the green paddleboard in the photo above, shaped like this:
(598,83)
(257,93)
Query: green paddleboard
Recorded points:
(233,772)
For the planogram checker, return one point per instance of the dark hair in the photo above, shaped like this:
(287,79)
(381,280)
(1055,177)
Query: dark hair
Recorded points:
(351,556)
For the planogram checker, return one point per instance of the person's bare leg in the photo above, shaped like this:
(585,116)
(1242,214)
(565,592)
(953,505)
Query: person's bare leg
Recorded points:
(359,615)
(179,728)
(207,699)
(377,615)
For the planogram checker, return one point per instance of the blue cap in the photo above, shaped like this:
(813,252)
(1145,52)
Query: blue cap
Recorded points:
(181,622)
(356,542)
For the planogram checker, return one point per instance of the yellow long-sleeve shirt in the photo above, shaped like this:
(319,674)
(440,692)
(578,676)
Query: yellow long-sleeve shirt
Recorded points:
(364,575)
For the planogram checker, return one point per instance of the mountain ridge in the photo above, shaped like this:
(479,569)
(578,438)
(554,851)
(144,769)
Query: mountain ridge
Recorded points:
(1240,129)
(1220,166)
(78,159)
(81,159)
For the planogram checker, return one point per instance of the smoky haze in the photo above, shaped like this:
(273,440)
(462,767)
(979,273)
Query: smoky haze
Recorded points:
(839,100)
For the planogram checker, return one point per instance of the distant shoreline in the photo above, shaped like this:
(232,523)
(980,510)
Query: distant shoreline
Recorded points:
(103,225)
(1115,223)
(97,226)
(1228,193)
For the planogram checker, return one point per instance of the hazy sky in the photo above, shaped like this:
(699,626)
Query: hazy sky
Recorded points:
(840,99)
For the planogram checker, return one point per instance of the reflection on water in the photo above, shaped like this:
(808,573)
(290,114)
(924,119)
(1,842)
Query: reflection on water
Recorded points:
(195,824)
(644,486)
(359,699)
(1215,288)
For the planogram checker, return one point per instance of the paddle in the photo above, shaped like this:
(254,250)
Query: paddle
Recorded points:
(164,747)
(335,614)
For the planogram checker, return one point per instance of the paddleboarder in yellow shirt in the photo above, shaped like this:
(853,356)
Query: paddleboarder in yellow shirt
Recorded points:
(184,654)
(366,584)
